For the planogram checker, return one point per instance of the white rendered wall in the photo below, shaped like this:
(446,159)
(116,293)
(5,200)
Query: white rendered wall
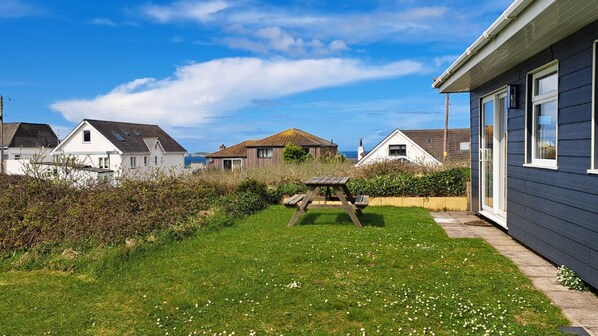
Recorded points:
(414,153)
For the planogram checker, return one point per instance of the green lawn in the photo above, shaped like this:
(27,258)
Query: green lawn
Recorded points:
(398,275)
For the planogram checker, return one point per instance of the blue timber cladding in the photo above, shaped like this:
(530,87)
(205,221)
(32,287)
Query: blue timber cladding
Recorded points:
(553,212)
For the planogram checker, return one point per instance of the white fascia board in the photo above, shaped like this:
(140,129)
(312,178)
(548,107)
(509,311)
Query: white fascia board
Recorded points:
(507,25)
(58,149)
(82,153)
(388,137)
(65,140)
(375,149)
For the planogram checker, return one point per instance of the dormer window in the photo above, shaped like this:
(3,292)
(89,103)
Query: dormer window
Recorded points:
(86,136)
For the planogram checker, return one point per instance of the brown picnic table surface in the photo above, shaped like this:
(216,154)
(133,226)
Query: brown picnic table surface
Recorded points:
(336,190)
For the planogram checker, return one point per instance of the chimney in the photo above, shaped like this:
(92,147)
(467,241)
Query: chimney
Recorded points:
(222,147)
(360,150)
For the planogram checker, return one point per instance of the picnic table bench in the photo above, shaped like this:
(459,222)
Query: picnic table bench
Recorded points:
(336,191)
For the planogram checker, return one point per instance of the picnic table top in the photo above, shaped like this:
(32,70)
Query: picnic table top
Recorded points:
(327,181)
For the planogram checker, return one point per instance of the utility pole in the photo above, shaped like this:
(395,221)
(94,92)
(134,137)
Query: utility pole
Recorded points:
(1,135)
(446,118)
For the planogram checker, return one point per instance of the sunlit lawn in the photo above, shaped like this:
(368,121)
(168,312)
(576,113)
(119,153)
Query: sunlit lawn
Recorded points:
(398,275)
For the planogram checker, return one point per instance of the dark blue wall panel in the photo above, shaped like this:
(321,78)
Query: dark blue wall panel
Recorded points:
(553,212)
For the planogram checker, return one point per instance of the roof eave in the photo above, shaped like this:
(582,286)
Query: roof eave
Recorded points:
(482,47)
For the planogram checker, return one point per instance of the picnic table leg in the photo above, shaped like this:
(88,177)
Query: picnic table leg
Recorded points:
(302,207)
(348,207)
(350,196)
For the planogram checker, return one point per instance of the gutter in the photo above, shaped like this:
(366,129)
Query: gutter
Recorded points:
(509,15)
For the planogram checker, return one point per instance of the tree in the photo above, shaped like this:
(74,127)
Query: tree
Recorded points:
(293,154)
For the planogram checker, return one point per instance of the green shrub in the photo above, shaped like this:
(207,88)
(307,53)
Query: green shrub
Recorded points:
(254,186)
(40,212)
(435,184)
(293,154)
(240,204)
(290,189)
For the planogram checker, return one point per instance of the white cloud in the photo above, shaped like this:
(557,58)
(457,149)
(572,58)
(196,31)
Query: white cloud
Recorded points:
(199,92)
(103,22)
(268,39)
(195,10)
(445,60)
(18,8)
(294,31)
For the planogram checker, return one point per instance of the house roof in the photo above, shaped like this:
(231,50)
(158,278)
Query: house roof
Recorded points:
(292,135)
(129,137)
(29,135)
(432,141)
(526,28)
(238,150)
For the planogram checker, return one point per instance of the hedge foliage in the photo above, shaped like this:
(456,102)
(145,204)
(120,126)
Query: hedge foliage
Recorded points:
(434,184)
(41,212)
(36,212)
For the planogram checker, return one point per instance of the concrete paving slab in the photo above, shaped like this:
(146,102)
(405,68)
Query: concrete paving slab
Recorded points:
(539,271)
(581,308)
(445,220)
(459,233)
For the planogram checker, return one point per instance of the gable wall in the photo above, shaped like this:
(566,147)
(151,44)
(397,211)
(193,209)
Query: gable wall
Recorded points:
(96,148)
(414,153)
(554,212)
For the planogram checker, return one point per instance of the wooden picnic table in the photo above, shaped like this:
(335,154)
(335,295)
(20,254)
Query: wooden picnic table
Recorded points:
(336,191)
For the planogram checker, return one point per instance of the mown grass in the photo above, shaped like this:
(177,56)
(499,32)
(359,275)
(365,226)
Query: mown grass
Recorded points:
(399,275)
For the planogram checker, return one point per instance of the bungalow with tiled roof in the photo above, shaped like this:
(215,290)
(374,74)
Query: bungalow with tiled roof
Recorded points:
(23,141)
(421,146)
(268,151)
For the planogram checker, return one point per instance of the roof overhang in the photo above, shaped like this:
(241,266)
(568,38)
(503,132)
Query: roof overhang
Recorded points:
(526,28)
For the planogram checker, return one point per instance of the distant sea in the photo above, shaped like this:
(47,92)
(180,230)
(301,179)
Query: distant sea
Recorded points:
(349,154)
(194,159)
(200,159)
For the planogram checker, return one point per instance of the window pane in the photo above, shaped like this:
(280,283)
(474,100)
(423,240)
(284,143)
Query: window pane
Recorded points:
(236,164)
(488,152)
(546,131)
(86,136)
(546,84)
(227,164)
(397,150)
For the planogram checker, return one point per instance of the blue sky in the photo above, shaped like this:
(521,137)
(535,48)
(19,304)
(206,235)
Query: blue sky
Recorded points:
(220,71)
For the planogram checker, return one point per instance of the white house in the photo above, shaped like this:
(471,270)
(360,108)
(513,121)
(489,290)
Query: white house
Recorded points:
(419,146)
(25,141)
(125,148)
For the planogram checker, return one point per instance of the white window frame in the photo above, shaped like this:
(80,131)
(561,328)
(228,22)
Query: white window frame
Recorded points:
(268,153)
(404,147)
(133,161)
(103,162)
(594,163)
(156,160)
(530,151)
(145,160)
(232,166)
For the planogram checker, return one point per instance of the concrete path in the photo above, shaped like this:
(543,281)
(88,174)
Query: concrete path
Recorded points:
(581,308)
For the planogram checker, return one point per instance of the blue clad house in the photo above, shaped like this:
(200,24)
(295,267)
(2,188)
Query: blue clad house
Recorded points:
(534,127)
